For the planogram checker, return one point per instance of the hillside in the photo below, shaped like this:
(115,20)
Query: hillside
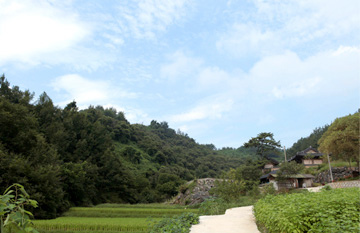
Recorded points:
(69,157)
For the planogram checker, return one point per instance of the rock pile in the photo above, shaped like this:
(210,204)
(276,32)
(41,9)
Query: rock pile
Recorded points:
(338,173)
(195,193)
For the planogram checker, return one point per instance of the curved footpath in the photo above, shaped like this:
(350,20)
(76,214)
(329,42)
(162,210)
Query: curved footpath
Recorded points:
(235,220)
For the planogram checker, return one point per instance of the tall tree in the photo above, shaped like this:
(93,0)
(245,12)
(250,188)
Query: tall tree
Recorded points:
(264,143)
(342,139)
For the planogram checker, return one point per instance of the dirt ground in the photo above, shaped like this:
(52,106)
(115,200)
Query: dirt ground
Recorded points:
(235,220)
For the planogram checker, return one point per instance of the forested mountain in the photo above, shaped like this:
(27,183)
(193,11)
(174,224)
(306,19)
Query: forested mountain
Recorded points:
(70,157)
(311,140)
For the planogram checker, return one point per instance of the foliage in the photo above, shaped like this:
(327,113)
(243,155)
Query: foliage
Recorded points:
(124,212)
(111,218)
(239,182)
(70,157)
(180,224)
(289,168)
(268,189)
(216,206)
(336,210)
(342,139)
(83,224)
(13,216)
(213,206)
(264,143)
(311,140)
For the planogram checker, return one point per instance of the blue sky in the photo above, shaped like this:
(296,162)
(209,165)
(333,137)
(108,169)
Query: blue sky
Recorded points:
(221,71)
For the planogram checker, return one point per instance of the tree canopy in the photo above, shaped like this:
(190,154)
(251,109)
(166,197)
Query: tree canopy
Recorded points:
(264,143)
(342,139)
(69,157)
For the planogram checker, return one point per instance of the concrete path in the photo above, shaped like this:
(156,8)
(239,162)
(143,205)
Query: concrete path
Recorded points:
(235,220)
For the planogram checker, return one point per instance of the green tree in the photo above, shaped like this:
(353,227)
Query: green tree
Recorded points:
(311,140)
(264,143)
(342,139)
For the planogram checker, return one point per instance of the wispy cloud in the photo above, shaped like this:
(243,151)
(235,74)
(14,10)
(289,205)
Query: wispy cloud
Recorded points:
(29,29)
(210,108)
(180,65)
(277,26)
(85,91)
(147,18)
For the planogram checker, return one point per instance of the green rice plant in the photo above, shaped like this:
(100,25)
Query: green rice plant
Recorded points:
(124,212)
(93,224)
(145,206)
(336,210)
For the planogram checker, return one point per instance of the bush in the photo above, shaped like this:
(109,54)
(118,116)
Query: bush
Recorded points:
(181,224)
(213,206)
(268,189)
(336,210)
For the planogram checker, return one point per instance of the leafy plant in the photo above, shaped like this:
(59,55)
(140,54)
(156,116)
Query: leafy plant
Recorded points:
(13,216)
(213,206)
(180,224)
(336,210)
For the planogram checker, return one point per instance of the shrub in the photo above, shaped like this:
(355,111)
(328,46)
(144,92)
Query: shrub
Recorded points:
(336,210)
(213,206)
(268,189)
(181,224)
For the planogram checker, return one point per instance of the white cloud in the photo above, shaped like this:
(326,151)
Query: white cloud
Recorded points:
(182,66)
(217,79)
(86,92)
(133,115)
(209,108)
(322,74)
(146,18)
(302,26)
(29,29)
(244,39)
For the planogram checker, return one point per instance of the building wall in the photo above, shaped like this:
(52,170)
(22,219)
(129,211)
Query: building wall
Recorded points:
(307,161)
(318,161)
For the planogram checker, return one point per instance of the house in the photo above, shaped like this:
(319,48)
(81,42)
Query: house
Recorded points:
(292,181)
(309,157)
(270,165)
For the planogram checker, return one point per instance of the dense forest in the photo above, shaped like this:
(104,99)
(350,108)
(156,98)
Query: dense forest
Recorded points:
(69,157)
(311,140)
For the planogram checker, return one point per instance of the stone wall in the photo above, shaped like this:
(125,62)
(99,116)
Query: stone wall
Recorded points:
(196,193)
(338,173)
(345,184)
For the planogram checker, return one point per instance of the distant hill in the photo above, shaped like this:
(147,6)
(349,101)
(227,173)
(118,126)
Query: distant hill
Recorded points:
(69,157)
(303,143)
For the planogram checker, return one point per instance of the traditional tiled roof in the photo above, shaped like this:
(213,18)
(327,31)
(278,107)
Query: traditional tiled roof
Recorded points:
(273,161)
(296,176)
(266,175)
(300,155)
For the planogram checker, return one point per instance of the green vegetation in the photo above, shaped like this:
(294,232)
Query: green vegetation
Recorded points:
(124,212)
(264,143)
(342,139)
(336,210)
(70,157)
(288,169)
(114,218)
(216,206)
(13,216)
(84,224)
(180,224)
(303,143)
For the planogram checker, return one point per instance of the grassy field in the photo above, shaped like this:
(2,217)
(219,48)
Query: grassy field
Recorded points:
(110,218)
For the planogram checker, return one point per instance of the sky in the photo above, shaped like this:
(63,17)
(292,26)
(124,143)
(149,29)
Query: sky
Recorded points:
(220,71)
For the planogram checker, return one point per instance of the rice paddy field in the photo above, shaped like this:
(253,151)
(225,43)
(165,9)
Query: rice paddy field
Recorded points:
(110,218)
